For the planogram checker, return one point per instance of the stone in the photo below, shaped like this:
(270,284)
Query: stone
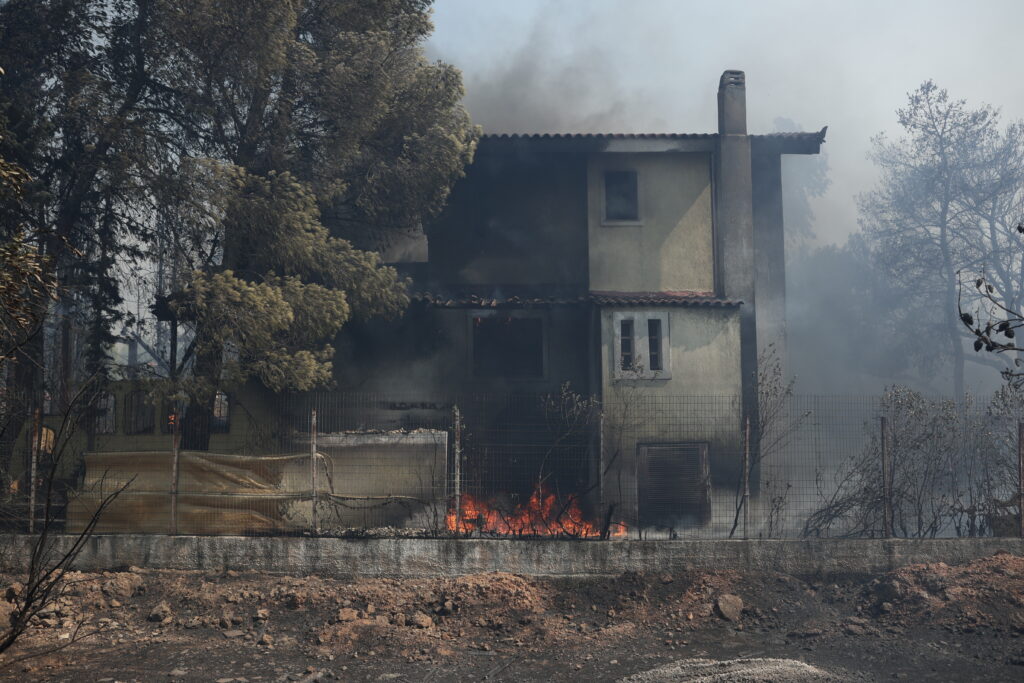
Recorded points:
(161,612)
(262,614)
(234,634)
(347,614)
(177,673)
(13,591)
(266,639)
(122,586)
(420,620)
(729,606)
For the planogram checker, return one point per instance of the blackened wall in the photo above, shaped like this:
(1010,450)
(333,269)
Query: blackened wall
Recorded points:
(517,218)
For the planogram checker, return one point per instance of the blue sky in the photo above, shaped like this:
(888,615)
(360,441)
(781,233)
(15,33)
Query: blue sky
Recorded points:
(653,65)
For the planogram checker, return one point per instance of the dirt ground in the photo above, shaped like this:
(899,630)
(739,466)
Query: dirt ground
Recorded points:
(922,622)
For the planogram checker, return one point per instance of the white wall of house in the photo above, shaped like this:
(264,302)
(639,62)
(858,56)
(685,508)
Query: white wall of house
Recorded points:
(670,247)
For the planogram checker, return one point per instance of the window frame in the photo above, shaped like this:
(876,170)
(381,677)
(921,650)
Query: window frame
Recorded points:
(612,222)
(494,313)
(641,344)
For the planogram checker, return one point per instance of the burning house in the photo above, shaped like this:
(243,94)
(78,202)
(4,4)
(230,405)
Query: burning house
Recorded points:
(634,268)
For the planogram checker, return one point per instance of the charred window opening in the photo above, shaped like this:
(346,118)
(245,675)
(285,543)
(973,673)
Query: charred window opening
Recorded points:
(626,357)
(654,344)
(621,196)
(139,417)
(219,420)
(104,415)
(508,346)
(676,485)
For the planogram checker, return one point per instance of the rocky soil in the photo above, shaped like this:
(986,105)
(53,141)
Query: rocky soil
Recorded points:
(922,622)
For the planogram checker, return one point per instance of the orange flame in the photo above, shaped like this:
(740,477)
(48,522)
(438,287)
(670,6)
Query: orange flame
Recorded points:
(541,515)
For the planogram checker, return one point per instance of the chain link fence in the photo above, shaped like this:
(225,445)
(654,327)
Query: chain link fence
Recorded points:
(561,465)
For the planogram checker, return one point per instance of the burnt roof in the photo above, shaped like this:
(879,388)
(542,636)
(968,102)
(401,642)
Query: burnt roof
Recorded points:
(770,143)
(513,297)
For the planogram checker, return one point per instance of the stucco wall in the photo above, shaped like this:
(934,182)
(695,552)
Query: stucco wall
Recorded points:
(704,354)
(698,402)
(671,248)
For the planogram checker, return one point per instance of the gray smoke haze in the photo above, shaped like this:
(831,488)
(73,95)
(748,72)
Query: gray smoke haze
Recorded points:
(653,66)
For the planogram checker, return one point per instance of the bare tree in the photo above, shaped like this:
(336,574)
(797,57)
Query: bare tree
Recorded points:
(939,209)
(50,555)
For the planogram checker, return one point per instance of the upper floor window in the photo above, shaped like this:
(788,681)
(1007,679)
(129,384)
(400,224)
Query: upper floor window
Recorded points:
(509,346)
(621,197)
(641,345)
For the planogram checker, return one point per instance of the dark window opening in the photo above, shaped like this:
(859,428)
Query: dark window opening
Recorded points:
(621,198)
(654,344)
(676,485)
(139,416)
(219,421)
(504,346)
(626,357)
(104,416)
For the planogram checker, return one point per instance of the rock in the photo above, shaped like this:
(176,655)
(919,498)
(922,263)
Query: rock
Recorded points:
(854,630)
(399,620)
(226,620)
(13,591)
(161,613)
(262,614)
(122,586)
(266,639)
(234,634)
(667,578)
(347,614)
(420,620)
(729,606)
(177,673)
(889,591)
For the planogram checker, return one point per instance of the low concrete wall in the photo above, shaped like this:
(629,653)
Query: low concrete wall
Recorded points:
(346,558)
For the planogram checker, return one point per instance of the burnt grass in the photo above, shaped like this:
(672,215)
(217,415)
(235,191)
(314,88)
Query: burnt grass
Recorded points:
(922,622)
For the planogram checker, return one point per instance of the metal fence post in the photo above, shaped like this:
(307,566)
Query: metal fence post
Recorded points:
(314,496)
(1020,476)
(886,478)
(746,477)
(37,439)
(175,454)
(457,465)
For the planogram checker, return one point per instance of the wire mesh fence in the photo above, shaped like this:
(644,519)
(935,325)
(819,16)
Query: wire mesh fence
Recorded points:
(560,465)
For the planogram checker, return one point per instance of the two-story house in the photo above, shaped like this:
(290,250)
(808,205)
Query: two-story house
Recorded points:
(638,268)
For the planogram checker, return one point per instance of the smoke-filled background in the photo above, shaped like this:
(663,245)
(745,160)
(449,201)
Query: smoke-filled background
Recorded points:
(653,66)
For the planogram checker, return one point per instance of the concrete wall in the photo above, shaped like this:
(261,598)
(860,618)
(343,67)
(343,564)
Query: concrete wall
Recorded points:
(408,558)
(671,247)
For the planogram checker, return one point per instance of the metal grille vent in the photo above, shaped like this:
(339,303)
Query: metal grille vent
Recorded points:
(675,486)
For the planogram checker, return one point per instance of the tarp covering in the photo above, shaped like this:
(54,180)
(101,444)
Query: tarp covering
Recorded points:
(394,479)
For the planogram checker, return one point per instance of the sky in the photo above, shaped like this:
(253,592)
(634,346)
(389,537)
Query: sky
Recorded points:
(653,66)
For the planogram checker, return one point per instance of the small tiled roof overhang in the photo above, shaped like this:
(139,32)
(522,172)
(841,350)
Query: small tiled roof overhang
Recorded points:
(521,300)
(449,300)
(695,299)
